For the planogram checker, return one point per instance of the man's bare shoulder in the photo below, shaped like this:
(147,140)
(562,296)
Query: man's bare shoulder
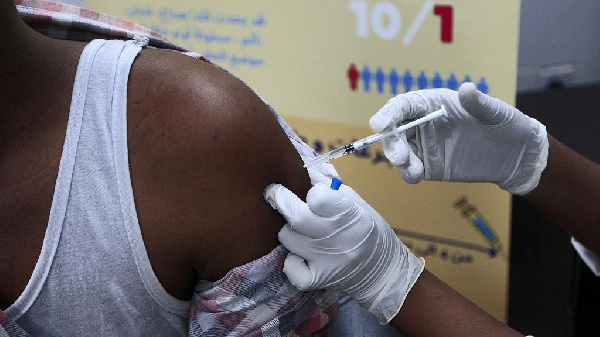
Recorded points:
(203,147)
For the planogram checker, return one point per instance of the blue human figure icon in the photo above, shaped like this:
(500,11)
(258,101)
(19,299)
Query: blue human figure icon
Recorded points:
(452,82)
(379,79)
(483,86)
(318,146)
(467,79)
(437,82)
(408,81)
(366,77)
(394,80)
(422,80)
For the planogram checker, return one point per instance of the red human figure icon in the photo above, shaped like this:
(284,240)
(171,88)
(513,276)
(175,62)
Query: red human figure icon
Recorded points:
(353,75)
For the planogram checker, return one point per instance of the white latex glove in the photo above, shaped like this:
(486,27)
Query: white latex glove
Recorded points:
(337,241)
(482,139)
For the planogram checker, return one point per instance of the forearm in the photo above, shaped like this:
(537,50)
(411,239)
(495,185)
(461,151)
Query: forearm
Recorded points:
(432,308)
(569,193)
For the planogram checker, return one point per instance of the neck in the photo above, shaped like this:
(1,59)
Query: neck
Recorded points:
(34,70)
(11,26)
(22,64)
(19,42)
(21,49)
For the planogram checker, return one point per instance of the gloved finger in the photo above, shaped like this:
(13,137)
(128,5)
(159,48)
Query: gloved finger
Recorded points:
(317,177)
(414,142)
(327,203)
(295,242)
(415,172)
(294,210)
(401,155)
(396,110)
(298,272)
(324,212)
(410,133)
(397,150)
(415,149)
(488,110)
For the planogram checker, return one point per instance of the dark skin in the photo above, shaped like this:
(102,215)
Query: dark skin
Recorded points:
(433,308)
(569,193)
(569,182)
(199,168)
(202,148)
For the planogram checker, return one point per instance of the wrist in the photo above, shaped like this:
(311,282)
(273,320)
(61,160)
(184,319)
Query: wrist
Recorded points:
(393,290)
(531,163)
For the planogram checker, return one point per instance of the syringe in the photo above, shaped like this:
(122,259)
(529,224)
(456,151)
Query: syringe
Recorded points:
(372,139)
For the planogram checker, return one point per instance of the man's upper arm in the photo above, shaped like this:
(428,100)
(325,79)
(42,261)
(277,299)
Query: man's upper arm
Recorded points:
(202,150)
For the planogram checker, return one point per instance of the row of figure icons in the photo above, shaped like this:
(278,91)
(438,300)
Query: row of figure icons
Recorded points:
(377,80)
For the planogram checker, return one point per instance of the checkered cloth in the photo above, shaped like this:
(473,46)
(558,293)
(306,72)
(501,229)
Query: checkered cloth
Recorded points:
(8,328)
(255,299)
(66,22)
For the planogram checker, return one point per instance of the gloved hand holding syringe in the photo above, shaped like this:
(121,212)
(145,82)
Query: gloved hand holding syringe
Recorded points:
(372,139)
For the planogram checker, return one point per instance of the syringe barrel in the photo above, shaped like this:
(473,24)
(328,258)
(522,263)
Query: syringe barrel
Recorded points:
(370,140)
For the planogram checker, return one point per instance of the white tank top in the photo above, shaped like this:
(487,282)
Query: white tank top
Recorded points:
(93,276)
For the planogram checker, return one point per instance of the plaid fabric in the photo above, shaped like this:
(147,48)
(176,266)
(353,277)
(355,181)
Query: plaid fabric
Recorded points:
(255,299)
(67,22)
(8,328)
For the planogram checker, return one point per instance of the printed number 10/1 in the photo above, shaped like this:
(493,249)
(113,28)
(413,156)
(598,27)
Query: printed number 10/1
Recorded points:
(385,21)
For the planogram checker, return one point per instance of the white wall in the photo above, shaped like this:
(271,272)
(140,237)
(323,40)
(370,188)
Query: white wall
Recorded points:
(559,41)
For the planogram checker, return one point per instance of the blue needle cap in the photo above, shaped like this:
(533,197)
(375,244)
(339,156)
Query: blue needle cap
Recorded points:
(336,183)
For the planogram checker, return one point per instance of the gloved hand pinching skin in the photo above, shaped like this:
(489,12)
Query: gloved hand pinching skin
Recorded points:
(337,241)
(482,139)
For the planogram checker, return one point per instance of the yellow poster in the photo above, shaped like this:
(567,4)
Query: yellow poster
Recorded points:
(327,66)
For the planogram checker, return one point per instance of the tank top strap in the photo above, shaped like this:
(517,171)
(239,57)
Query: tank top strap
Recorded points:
(127,204)
(62,186)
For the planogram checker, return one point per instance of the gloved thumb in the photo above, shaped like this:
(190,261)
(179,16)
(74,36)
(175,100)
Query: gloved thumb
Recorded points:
(488,110)
(328,203)
(298,272)
(316,176)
